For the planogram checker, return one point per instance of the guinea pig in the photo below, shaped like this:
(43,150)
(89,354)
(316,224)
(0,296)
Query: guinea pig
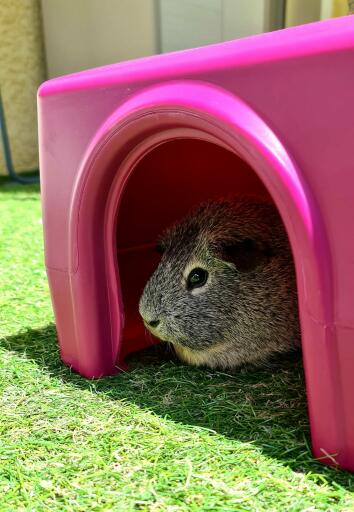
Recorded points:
(224,292)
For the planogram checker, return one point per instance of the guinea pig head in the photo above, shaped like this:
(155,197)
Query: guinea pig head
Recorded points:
(208,282)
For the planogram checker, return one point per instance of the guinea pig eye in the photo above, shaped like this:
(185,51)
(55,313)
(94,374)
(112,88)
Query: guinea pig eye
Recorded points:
(197,278)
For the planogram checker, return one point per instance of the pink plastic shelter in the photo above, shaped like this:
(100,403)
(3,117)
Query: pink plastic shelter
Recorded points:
(128,148)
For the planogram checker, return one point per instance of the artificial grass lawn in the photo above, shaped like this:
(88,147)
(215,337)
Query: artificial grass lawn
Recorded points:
(163,437)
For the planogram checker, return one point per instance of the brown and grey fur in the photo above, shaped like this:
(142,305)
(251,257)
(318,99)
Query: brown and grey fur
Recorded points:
(247,311)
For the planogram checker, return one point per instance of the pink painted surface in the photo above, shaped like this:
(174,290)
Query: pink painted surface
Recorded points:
(272,115)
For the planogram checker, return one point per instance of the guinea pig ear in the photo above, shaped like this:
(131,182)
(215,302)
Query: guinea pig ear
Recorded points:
(246,254)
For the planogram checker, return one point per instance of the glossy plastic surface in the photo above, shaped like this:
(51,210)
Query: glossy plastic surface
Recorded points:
(128,148)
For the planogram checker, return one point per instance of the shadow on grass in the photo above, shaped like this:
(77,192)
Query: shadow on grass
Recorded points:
(265,407)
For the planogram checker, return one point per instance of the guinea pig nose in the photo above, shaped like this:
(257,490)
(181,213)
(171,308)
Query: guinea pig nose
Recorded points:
(154,323)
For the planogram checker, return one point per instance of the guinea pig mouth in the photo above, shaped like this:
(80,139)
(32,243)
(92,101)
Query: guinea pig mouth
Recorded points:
(163,336)
(163,332)
(155,331)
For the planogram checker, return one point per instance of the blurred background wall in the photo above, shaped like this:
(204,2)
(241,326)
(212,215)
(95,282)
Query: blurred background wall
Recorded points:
(22,69)
(48,38)
(81,34)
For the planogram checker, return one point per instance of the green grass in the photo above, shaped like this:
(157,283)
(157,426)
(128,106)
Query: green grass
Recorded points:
(163,437)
